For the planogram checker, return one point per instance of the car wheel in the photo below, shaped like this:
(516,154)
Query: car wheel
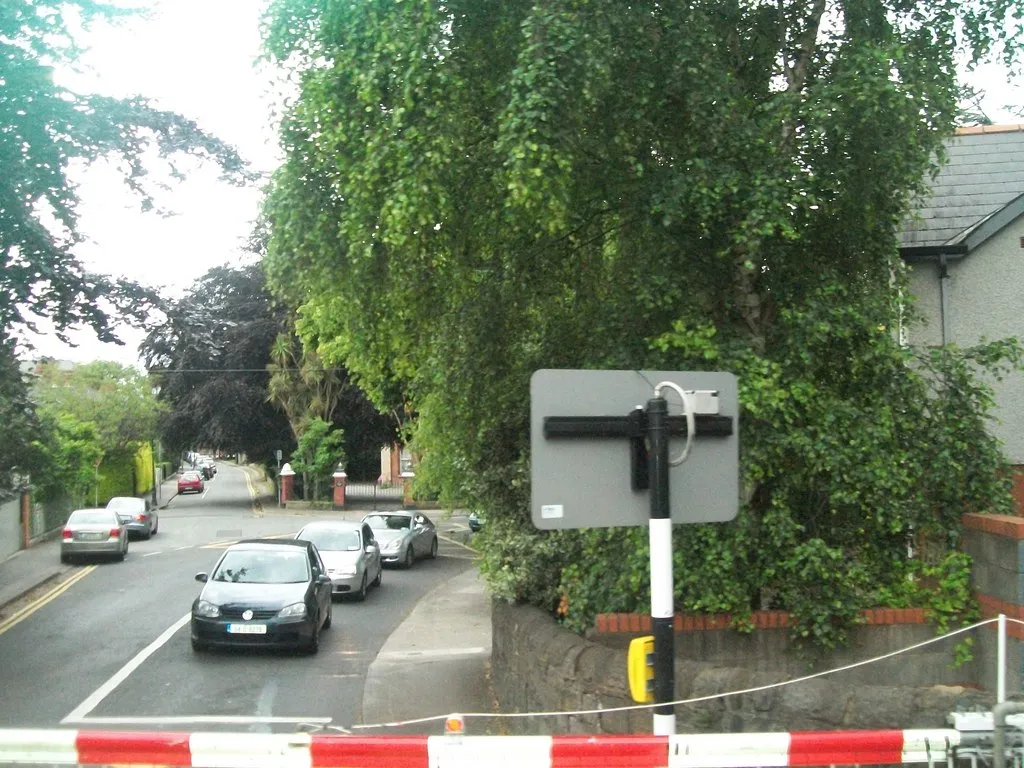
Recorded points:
(330,615)
(156,527)
(380,575)
(123,553)
(65,559)
(433,549)
(197,646)
(314,642)
(410,558)
(361,594)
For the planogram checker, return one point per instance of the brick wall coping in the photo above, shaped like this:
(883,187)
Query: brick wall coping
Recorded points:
(1007,526)
(612,623)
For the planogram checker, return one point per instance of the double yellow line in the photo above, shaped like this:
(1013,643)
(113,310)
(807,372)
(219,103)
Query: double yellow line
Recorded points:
(50,596)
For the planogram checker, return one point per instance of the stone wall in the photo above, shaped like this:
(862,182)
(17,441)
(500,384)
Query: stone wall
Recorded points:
(768,649)
(538,666)
(996,546)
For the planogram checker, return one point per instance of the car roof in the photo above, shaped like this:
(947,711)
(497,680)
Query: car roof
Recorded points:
(270,544)
(334,524)
(382,512)
(119,499)
(103,510)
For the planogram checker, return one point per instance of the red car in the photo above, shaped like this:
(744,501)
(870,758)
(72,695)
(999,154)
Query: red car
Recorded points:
(190,482)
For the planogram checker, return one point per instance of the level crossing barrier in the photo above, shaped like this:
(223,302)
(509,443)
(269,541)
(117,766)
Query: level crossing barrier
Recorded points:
(933,747)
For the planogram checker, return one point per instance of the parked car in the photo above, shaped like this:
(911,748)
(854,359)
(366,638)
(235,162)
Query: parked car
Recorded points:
(206,467)
(476,521)
(263,593)
(191,482)
(136,514)
(93,532)
(403,536)
(350,552)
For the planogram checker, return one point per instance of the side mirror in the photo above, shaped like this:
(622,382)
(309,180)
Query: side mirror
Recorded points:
(203,577)
(323,579)
(370,548)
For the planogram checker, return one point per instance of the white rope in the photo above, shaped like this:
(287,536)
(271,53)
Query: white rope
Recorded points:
(691,426)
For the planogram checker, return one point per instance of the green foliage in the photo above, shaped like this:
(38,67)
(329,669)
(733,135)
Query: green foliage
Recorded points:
(19,454)
(318,452)
(117,400)
(476,190)
(99,413)
(70,451)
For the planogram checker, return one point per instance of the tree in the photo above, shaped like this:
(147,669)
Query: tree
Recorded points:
(71,451)
(92,414)
(307,391)
(475,190)
(117,402)
(19,454)
(318,452)
(210,358)
(44,128)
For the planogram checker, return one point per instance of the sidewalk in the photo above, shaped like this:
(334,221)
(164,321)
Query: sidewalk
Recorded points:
(30,568)
(435,663)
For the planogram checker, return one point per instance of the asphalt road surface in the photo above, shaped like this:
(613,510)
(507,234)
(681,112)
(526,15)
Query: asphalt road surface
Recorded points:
(113,651)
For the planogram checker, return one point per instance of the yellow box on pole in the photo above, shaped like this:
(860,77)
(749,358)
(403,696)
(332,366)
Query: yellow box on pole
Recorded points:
(640,669)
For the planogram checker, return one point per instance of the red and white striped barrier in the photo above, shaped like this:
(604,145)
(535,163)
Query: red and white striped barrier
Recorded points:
(303,750)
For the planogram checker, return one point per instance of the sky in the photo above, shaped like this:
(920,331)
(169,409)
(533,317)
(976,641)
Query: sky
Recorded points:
(197,57)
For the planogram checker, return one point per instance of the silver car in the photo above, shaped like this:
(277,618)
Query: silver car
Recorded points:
(136,514)
(403,536)
(93,532)
(350,553)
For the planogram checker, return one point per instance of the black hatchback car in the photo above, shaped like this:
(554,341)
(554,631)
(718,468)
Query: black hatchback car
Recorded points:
(268,593)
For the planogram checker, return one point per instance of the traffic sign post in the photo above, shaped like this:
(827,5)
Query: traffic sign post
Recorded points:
(579,477)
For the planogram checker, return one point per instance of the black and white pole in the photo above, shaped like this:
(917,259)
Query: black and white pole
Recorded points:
(662,603)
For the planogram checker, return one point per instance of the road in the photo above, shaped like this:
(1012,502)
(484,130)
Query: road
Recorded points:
(112,650)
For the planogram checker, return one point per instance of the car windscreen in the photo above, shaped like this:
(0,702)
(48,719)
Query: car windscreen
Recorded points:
(99,517)
(328,540)
(389,522)
(251,566)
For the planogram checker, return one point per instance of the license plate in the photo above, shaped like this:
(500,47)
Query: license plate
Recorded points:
(95,536)
(247,629)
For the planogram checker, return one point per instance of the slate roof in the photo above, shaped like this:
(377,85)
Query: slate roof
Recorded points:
(979,190)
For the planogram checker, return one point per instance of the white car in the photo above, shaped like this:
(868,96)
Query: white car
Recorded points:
(350,553)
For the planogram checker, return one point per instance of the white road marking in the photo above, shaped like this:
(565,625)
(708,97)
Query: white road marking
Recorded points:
(105,690)
(200,720)
(432,654)
(150,554)
(265,704)
(180,549)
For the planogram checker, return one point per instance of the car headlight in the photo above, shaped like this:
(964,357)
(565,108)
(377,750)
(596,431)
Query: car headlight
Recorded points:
(206,610)
(293,610)
(393,546)
(344,570)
